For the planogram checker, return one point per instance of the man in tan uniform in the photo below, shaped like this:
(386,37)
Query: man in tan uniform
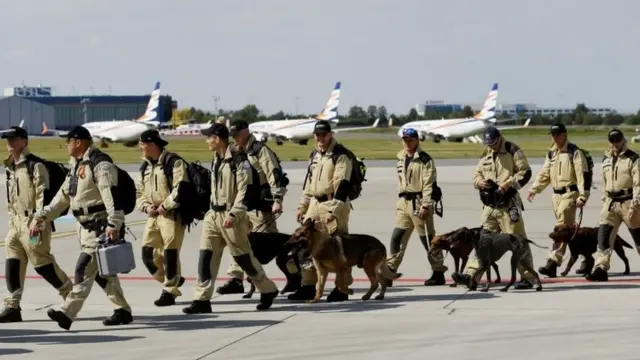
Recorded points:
(621,177)
(325,199)
(273,188)
(88,193)
(417,183)
(227,224)
(157,196)
(501,172)
(564,169)
(27,182)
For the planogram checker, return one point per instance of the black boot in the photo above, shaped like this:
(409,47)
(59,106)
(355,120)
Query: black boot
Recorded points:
(119,317)
(523,285)
(165,299)
(598,275)
(549,269)
(306,292)
(198,307)
(233,286)
(266,300)
(10,315)
(583,270)
(337,295)
(437,278)
(293,283)
(59,317)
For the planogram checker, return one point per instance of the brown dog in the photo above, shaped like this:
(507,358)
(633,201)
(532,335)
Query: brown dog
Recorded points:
(585,243)
(338,253)
(459,243)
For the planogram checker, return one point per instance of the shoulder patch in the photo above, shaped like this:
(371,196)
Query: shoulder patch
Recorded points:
(105,166)
(246,165)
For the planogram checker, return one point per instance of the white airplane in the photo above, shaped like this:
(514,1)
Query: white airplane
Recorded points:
(459,130)
(126,132)
(7,130)
(301,130)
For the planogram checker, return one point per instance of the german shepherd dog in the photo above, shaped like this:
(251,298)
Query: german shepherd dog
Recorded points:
(585,243)
(459,243)
(267,246)
(338,253)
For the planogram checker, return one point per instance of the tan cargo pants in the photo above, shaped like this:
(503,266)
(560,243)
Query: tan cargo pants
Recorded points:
(164,233)
(615,216)
(215,237)
(564,208)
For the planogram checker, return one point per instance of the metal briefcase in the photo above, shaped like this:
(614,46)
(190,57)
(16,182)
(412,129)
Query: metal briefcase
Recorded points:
(115,258)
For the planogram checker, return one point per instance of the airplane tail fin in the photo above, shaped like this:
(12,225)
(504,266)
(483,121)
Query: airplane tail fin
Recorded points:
(330,110)
(45,128)
(490,103)
(21,123)
(152,108)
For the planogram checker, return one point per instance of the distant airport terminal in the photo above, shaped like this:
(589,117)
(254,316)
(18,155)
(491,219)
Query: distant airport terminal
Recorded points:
(36,105)
(440,107)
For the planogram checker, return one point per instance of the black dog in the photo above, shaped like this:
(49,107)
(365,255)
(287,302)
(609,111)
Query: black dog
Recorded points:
(266,247)
(490,247)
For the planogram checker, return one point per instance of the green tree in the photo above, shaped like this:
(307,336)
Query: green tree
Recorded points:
(467,111)
(413,115)
(249,113)
(382,111)
(372,111)
(356,113)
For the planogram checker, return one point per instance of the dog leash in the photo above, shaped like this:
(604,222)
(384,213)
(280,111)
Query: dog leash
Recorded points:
(267,223)
(579,223)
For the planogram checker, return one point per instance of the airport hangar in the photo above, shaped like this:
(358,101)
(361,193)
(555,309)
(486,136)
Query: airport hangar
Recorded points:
(36,105)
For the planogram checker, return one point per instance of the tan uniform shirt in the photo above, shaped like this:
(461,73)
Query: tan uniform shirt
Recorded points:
(25,195)
(153,187)
(506,166)
(418,176)
(266,162)
(89,192)
(621,173)
(325,177)
(229,190)
(562,172)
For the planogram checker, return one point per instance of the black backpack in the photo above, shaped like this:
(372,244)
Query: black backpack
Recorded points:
(255,151)
(194,196)
(436,191)
(253,194)
(358,169)
(588,174)
(125,194)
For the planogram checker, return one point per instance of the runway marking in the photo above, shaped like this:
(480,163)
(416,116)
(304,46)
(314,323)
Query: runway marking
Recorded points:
(576,280)
(244,337)
(57,235)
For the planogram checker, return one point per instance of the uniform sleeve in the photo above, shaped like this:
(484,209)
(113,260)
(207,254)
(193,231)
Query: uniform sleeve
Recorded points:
(429,175)
(522,171)
(270,167)
(106,176)
(11,210)
(543,179)
(581,167)
(142,200)
(477,173)
(40,183)
(244,177)
(305,198)
(635,175)
(59,203)
(341,178)
(179,176)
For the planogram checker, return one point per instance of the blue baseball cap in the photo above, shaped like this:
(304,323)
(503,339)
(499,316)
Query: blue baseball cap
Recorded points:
(409,132)
(490,135)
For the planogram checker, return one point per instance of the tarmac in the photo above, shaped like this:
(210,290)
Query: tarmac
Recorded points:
(569,319)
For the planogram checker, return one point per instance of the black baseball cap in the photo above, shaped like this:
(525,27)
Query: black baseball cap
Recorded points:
(153,136)
(78,133)
(490,135)
(15,132)
(237,127)
(557,129)
(615,135)
(216,129)
(322,126)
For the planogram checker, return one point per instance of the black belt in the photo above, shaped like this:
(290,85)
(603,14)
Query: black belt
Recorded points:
(323,198)
(409,195)
(565,189)
(622,195)
(218,208)
(90,210)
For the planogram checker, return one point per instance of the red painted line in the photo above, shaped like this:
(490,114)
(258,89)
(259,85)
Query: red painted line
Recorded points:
(576,280)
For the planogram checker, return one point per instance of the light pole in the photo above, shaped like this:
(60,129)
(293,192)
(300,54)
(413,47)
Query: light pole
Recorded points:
(84,108)
(296,105)
(215,104)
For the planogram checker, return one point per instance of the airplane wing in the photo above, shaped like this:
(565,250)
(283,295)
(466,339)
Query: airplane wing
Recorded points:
(375,125)
(46,130)
(515,127)
(7,130)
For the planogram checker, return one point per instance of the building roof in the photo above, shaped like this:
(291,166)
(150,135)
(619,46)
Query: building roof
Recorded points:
(99,99)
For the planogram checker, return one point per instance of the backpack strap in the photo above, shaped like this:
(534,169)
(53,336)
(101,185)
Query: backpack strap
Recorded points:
(167,167)
(632,155)
(511,147)
(424,157)
(143,168)
(95,158)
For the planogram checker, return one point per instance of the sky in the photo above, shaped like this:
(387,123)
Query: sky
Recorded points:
(396,53)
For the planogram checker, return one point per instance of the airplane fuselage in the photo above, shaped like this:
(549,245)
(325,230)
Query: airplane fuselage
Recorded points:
(292,130)
(450,128)
(123,131)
